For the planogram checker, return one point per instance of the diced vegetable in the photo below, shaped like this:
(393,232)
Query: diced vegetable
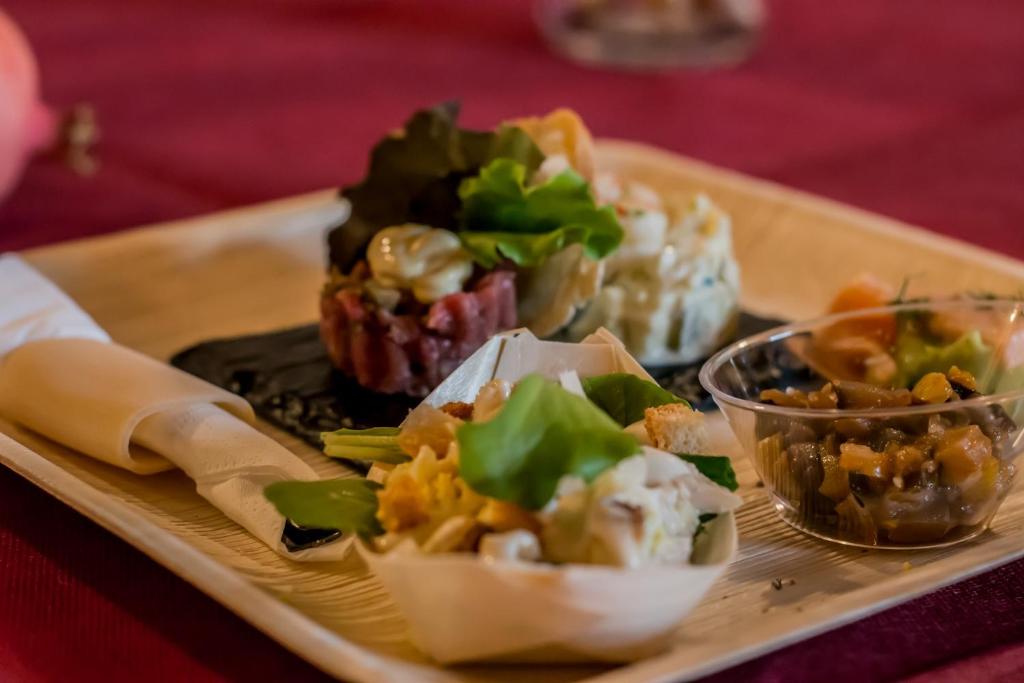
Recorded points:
(962,453)
(823,399)
(863,395)
(962,378)
(836,482)
(862,460)
(933,388)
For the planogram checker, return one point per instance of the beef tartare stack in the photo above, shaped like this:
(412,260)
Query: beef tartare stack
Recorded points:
(424,270)
(455,235)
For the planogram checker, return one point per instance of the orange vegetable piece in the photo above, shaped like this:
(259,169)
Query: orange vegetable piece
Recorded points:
(865,291)
(962,453)
(836,481)
(933,388)
(854,457)
(562,132)
(985,486)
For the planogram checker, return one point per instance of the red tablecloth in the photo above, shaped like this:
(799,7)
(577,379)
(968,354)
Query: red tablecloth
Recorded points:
(912,109)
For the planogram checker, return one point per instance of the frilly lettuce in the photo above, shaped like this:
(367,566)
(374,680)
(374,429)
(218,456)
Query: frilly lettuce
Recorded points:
(503,218)
(414,177)
(915,357)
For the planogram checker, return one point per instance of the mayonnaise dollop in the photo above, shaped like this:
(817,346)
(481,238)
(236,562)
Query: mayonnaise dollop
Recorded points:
(428,261)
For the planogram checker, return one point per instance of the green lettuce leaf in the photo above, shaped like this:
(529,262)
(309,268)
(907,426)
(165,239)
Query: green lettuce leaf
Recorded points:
(541,434)
(348,505)
(625,397)
(379,444)
(717,468)
(414,177)
(503,218)
(916,357)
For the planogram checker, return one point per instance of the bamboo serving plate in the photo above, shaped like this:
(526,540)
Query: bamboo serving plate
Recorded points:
(160,289)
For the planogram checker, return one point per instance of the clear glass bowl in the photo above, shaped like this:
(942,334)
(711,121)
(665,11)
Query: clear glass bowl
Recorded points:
(910,476)
(641,34)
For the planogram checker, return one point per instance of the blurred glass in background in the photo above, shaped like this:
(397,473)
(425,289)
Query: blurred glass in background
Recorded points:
(652,34)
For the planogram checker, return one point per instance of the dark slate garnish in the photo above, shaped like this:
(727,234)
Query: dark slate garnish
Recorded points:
(289,381)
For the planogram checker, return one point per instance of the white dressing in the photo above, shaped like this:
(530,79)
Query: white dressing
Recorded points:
(428,261)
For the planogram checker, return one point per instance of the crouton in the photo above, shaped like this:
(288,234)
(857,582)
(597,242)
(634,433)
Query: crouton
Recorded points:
(458,409)
(499,515)
(676,428)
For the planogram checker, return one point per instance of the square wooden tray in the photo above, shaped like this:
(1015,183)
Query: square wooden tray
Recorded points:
(162,288)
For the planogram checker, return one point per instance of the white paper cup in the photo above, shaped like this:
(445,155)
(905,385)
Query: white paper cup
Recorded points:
(462,608)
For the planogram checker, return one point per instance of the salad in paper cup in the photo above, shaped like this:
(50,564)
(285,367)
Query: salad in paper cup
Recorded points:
(547,502)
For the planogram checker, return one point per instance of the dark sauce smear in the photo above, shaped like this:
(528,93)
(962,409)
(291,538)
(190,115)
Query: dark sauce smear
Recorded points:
(287,378)
(297,537)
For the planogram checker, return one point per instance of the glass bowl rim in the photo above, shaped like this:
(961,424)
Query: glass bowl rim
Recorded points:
(707,371)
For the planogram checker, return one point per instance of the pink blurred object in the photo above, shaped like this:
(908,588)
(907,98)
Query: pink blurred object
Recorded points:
(29,127)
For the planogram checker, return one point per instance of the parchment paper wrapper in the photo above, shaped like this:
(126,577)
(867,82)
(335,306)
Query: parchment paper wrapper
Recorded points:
(461,608)
(61,376)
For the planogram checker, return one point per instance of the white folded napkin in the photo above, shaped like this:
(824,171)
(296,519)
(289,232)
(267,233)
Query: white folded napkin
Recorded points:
(231,463)
(461,608)
(114,400)
(32,307)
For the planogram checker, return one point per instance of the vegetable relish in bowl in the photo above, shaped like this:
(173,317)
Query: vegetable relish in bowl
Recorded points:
(893,426)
